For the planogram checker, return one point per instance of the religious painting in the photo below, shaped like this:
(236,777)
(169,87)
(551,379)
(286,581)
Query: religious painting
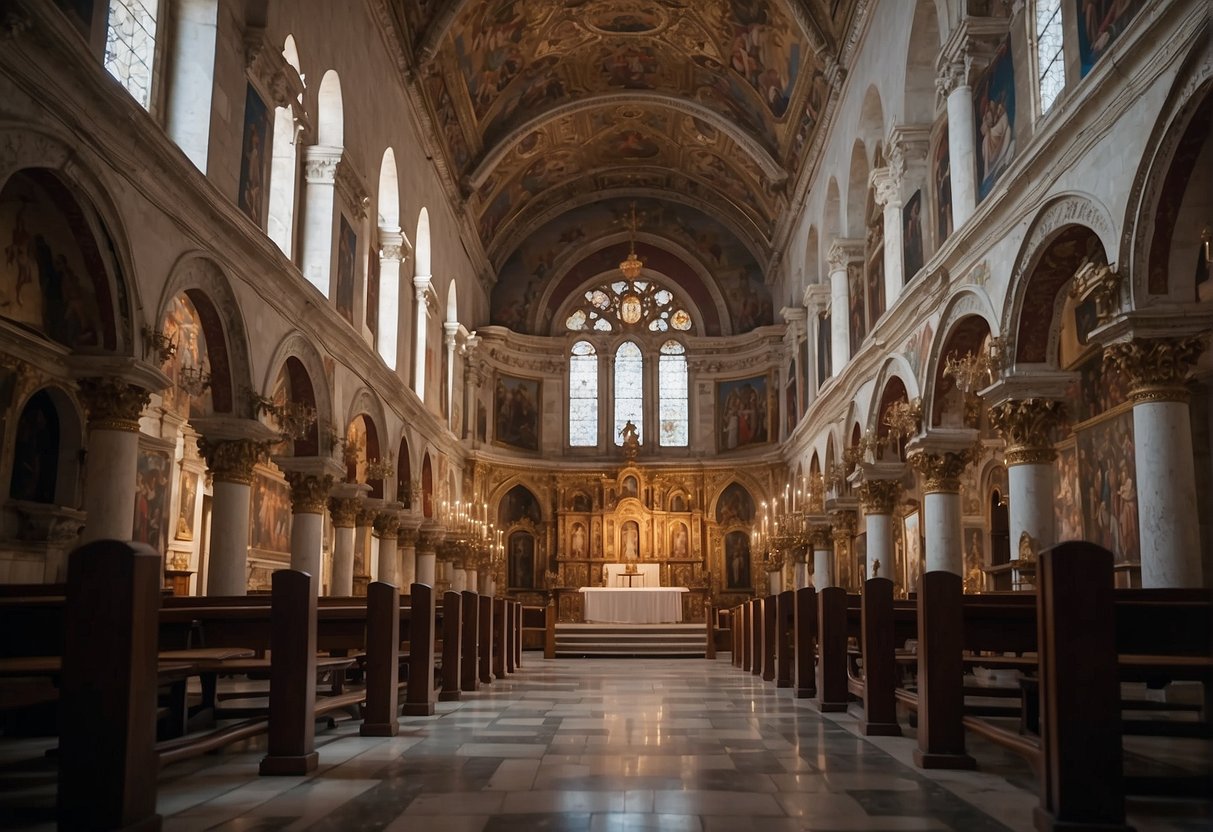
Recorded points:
(874,275)
(36,451)
(521,562)
(737,560)
(1086,318)
(680,546)
(678,503)
(372,292)
(912,540)
(482,422)
(1100,24)
(581,502)
(941,176)
(629,540)
(255,158)
(742,413)
(630,487)
(347,250)
(270,523)
(790,413)
(516,406)
(974,538)
(182,326)
(1067,504)
(1107,470)
(994,118)
(913,252)
(45,283)
(735,505)
(1103,387)
(153,473)
(825,360)
(518,504)
(578,547)
(855,316)
(187,506)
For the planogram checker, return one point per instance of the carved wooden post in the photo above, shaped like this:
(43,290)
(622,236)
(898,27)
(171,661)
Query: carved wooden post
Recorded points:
(292,730)
(770,635)
(382,661)
(486,639)
(452,643)
(832,649)
(107,758)
(785,614)
(419,700)
(549,635)
(806,642)
(756,623)
(468,680)
(941,735)
(501,637)
(709,617)
(517,644)
(879,660)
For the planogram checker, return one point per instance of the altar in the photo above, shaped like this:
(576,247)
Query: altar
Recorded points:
(642,605)
(631,575)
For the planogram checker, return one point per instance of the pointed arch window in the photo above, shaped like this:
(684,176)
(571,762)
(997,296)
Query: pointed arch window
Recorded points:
(629,389)
(583,395)
(672,395)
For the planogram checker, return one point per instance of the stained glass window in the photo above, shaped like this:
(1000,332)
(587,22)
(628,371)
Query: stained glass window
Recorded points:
(672,392)
(624,305)
(629,389)
(130,46)
(1050,64)
(583,395)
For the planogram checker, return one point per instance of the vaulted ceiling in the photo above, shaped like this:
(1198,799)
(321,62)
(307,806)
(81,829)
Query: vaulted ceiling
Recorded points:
(542,106)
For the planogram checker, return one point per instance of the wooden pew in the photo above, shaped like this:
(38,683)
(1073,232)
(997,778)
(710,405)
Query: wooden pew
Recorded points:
(472,641)
(486,644)
(454,621)
(501,637)
(419,699)
(756,652)
(785,623)
(805,631)
(832,689)
(770,636)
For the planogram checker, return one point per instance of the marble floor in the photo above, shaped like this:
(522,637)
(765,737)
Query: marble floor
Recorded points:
(604,745)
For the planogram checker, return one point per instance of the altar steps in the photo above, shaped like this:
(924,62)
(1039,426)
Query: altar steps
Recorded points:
(667,641)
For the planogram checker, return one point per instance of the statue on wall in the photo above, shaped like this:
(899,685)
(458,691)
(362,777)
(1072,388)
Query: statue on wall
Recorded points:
(578,541)
(679,547)
(631,440)
(630,540)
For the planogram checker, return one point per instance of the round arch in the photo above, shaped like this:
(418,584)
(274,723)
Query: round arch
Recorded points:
(963,303)
(295,345)
(330,111)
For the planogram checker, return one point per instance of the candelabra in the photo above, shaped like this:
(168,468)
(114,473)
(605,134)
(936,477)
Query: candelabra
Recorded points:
(783,526)
(971,372)
(380,468)
(154,340)
(470,536)
(193,381)
(903,419)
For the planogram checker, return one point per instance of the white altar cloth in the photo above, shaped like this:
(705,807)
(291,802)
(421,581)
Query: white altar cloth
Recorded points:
(647,574)
(648,605)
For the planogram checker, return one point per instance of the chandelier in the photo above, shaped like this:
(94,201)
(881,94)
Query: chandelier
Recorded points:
(193,381)
(630,268)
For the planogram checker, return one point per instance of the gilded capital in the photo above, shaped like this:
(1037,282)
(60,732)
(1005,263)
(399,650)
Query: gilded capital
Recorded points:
(1156,368)
(821,536)
(427,543)
(112,403)
(233,460)
(878,496)
(842,526)
(1027,426)
(941,472)
(344,511)
(309,492)
(366,516)
(387,525)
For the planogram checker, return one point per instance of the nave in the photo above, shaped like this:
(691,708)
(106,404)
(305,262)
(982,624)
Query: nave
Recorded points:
(598,745)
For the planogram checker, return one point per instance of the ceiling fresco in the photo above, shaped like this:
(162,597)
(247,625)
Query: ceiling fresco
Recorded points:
(679,242)
(708,106)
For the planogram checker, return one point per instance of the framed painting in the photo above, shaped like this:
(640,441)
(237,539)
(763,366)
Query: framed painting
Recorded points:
(270,524)
(737,561)
(187,508)
(912,538)
(153,473)
(1100,24)
(912,249)
(255,158)
(994,118)
(516,406)
(347,249)
(742,413)
(941,180)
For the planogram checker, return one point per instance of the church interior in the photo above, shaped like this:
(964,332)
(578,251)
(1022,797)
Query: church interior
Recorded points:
(854,353)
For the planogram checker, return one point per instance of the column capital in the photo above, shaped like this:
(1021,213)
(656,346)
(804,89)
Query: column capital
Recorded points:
(393,245)
(233,460)
(386,525)
(1156,368)
(941,470)
(842,525)
(320,164)
(952,76)
(366,515)
(886,182)
(844,250)
(406,536)
(908,147)
(817,298)
(112,403)
(821,535)
(344,511)
(309,492)
(879,496)
(1027,426)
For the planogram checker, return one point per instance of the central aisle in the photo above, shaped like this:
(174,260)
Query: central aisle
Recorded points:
(600,745)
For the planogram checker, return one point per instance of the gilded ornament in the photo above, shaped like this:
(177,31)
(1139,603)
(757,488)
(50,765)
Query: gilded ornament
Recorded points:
(1027,426)
(941,471)
(113,404)
(309,492)
(344,511)
(1157,368)
(233,460)
(878,496)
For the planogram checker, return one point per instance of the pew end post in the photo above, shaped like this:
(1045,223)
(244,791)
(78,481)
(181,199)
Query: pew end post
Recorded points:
(549,624)
(941,733)
(292,721)
(785,615)
(419,697)
(383,660)
(805,626)
(454,625)
(879,660)
(832,693)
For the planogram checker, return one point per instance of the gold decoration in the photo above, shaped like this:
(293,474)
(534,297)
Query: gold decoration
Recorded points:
(1157,368)
(344,511)
(903,419)
(878,496)
(1028,549)
(366,516)
(387,525)
(1100,282)
(820,536)
(309,492)
(113,404)
(941,471)
(632,266)
(232,460)
(1027,426)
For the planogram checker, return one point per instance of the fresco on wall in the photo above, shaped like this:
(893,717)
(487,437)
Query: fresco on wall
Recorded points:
(742,414)
(153,473)
(941,175)
(347,250)
(994,118)
(855,300)
(45,282)
(187,507)
(913,251)
(1108,474)
(255,158)
(516,407)
(1102,388)
(974,558)
(629,540)
(1100,24)
(1067,505)
(182,326)
(522,560)
(737,560)
(735,505)
(270,524)
(36,451)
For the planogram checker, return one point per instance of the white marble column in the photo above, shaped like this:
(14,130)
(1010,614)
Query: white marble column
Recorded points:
(1026,425)
(427,561)
(364,545)
(941,470)
(1167,511)
(387,529)
(801,575)
(450,331)
(407,543)
(887,184)
(345,516)
(421,285)
(231,463)
(840,308)
(391,253)
(962,141)
(113,408)
(877,498)
(309,500)
(319,215)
